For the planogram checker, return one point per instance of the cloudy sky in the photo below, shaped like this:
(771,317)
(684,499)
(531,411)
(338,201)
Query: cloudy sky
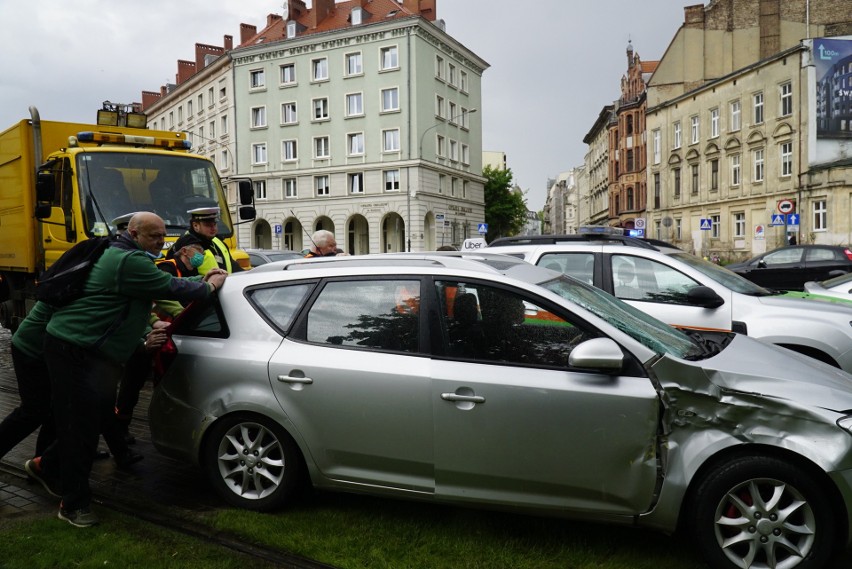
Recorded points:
(554,63)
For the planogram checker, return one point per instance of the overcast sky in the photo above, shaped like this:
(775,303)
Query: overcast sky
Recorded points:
(554,63)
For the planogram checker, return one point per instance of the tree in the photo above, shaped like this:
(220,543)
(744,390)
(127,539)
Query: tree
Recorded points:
(505,210)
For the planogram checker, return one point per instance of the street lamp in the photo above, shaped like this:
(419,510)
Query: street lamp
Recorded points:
(420,158)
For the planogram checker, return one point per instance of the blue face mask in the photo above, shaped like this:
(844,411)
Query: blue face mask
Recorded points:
(196,260)
(154,257)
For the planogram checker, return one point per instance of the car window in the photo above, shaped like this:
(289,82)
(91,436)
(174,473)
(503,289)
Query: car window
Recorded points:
(638,278)
(486,323)
(790,255)
(578,265)
(279,304)
(256,260)
(820,254)
(372,314)
(721,275)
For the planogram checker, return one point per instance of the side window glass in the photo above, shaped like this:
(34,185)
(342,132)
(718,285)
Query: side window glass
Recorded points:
(636,278)
(281,303)
(493,325)
(578,265)
(376,315)
(202,319)
(817,254)
(783,256)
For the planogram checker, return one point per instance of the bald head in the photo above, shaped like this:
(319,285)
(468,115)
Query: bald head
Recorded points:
(148,230)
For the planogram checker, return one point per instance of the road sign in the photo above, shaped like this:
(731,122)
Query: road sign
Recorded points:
(777,219)
(786,206)
(277,229)
(793,219)
(483,228)
(639,223)
(706,224)
(439,217)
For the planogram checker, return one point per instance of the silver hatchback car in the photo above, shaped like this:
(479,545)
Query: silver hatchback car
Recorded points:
(481,379)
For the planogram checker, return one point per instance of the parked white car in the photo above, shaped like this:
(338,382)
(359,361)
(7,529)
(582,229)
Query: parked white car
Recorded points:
(688,292)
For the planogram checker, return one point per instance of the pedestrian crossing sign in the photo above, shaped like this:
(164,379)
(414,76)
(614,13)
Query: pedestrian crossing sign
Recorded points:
(706,224)
(777,219)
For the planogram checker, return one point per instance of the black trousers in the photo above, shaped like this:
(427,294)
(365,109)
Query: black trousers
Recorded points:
(34,411)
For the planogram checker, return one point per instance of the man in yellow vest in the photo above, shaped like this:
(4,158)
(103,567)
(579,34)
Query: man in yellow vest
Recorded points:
(203,228)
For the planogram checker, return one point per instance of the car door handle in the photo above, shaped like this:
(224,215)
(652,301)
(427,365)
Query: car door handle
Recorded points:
(465,398)
(297,380)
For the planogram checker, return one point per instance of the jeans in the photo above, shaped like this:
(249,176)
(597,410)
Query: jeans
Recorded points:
(34,411)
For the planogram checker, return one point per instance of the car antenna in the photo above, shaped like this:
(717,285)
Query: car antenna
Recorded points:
(311,239)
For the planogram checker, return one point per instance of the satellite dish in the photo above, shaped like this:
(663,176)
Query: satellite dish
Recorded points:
(667,222)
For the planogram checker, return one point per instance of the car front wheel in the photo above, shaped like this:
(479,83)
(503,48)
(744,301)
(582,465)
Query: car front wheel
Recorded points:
(762,512)
(252,462)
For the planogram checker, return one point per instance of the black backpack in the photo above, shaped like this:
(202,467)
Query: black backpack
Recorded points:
(63,282)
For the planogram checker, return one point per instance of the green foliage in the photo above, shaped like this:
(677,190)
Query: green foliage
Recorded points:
(505,210)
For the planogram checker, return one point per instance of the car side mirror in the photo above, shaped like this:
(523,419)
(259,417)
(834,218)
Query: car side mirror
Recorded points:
(247,212)
(761,264)
(601,354)
(704,296)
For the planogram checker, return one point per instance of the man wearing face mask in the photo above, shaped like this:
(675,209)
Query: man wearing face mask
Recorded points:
(204,229)
(87,344)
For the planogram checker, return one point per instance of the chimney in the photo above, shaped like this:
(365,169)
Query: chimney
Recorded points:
(186,69)
(693,16)
(229,43)
(204,54)
(247,31)
(271,19)
(320,12)
(425,8)
(149,98)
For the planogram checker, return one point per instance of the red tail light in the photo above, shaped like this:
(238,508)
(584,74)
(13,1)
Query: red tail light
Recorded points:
(848,254)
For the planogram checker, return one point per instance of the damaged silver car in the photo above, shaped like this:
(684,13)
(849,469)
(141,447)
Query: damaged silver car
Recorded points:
(482,380)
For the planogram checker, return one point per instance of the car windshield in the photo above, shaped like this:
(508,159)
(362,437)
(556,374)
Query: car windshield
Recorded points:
(721,275)
(640,326)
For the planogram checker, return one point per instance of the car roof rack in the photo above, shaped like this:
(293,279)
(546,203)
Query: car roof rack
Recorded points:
(579,238)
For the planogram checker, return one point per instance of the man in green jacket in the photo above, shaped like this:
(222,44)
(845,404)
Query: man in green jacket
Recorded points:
(89,340)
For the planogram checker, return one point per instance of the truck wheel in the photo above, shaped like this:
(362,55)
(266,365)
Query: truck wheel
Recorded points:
(761,512)
(252,462)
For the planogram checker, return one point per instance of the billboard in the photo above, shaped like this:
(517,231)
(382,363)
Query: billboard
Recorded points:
(833,67)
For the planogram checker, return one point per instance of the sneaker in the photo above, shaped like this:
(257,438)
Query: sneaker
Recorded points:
(81,518)
(33,468)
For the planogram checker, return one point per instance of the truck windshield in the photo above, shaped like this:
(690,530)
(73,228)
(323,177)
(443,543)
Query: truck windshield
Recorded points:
(113,184)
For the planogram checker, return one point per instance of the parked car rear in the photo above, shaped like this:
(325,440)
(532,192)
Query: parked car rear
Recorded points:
(789,268)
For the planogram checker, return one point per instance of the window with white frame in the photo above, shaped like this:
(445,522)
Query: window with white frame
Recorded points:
(440,149)
(451,74)
(355,143)
(787,159)
(288,113)
(258,117)
(391,180)
(224,161)
(736,116)
(439,106)
(389,58)
(354,64)
(465,154)
(463,81)
(390,99)
(356,183)
(757,107)
(257,78)
(465,119)
(454,150)
(319,69)
(200,104)
(452,113)
(678,229)
(321,185)
(454,184)
(354,104)
(442,184)
(736,171)
(288,150)
(714,122)
(758,158)
(320,109)
(258,153)
(677,135)
(715,226)
(739,225)
(786,99)
(694,129)
(171,119)
(223,125)
(390,140)
(180,115)
(189,112)
(322,147)
(222,93)
(656,137)
(212,129)
(210,99)
(260,189)
(201,135)
(290,188)
(288,74)
(820,215)
(439,67)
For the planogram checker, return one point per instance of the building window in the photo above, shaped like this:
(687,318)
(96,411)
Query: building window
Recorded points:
(677,135)
(439,67)
(694,171)
(200,104)
(320,109)
(319,69)
(656,137)
(451,74)
(464,188)
(223,160)
(390,140)
(694,129)
(390,99)
(189,109)
(714,174)
(439,145)
(439,106)
(629,161)
(356,183)
(820,218)
(260,190)
(757,113)
(321,147)
(714,123)
(735,170)
(288,113)
(210,99)
(739,225)
(465,154)
(212,129)
(736,116)
(786,99)
(678,229)
(258,117)
(657,190)
(715,226)
(465,118)
(257,79)
(629,196)
(354,64)
(463,81)
(258,153)
(452,114)
(787,159)
(354,104)
(223,125)
(288,74)
(442,183)
(321,185)
(288,150)
(389,57)
(676,172)
(355,143)
(391,180)
(290,188)
(758,165)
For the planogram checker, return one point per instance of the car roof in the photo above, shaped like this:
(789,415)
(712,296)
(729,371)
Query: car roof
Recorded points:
(580,238)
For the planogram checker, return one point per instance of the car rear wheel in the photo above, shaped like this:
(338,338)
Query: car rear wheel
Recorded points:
(761,512)
(252,462)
